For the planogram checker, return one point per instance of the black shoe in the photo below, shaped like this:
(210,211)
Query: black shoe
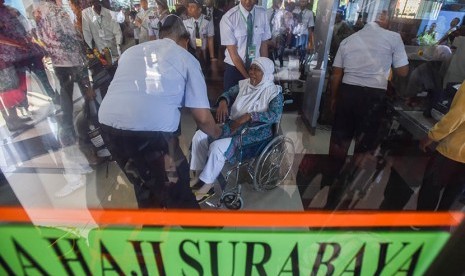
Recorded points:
(206,196)
(197,185)
(17,125)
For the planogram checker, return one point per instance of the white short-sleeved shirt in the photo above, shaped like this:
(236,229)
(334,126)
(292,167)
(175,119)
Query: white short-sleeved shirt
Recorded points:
(153,80)
(206,30)
(456,70)
(233,28)
(102,29)
(149,22)
(275,21)
(366,56)
(308,21)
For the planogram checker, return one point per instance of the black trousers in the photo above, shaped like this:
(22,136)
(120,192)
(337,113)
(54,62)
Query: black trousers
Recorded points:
(67,76)
(142,155)
(441,173)
(359,113)
(232,76)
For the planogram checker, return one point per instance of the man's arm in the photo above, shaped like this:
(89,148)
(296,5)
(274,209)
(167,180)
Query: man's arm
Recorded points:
(336,80)
(402,71)
(116,29)
(204,119)
(237,60)
(86,32)
(211,48)
(264,48)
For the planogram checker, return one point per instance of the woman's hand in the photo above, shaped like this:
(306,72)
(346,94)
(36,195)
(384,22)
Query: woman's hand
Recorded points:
(240,121)
(222,112)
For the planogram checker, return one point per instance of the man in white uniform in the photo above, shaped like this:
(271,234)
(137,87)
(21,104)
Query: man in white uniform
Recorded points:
(244,32)
(141,113)
(304,29)
(201,31)
(99,26)
(146,21)
(358,94)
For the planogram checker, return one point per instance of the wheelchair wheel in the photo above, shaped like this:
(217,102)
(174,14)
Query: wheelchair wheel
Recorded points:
(232,201)
(274,164)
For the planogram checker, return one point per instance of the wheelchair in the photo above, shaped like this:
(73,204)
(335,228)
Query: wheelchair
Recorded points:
(267,163)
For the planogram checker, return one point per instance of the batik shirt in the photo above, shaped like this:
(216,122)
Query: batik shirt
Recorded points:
(57,31)
(12,32)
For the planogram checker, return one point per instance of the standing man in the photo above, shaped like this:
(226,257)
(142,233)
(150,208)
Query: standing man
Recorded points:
(244,32)
(213,14)
(141,113)
(99,29)
(201,32)
(275,18)
(304,29)
(64,45)
(446,168)
(358,93)
(145,21)
(162,11)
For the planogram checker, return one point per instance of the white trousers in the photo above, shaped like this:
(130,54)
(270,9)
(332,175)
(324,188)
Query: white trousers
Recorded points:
(208,157)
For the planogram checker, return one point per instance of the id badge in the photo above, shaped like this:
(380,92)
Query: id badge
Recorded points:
(101,33)
(198,42)
(252,51)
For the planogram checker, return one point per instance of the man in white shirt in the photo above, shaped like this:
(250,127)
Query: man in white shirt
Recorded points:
(244,32)
(141,113)
(146,20)
(304,29)
(276,44)
(358,94)
(213,14)
(201,32)
(99,26)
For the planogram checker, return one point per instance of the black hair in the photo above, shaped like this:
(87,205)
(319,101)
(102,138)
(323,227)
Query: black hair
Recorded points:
(173,27)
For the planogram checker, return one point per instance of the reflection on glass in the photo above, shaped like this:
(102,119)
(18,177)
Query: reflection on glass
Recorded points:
(50,133)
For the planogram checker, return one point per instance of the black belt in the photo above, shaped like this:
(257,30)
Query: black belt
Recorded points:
(134,133)
(364,88)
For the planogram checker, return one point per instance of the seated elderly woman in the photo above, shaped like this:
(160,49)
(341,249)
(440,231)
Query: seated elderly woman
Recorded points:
(254,101)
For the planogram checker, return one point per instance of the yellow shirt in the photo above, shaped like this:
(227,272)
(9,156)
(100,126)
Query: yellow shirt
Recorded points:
(450,130)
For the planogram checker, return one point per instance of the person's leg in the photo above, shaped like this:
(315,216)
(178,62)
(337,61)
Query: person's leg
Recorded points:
(453,182)
(199,151)
(282,44)
(303,41)
(65,77)
(37,67)
(341,136)
(216,160)
(179,192)
(430,190)
(213,167)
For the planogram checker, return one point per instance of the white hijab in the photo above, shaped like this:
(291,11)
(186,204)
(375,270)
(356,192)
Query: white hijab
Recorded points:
(255,98)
